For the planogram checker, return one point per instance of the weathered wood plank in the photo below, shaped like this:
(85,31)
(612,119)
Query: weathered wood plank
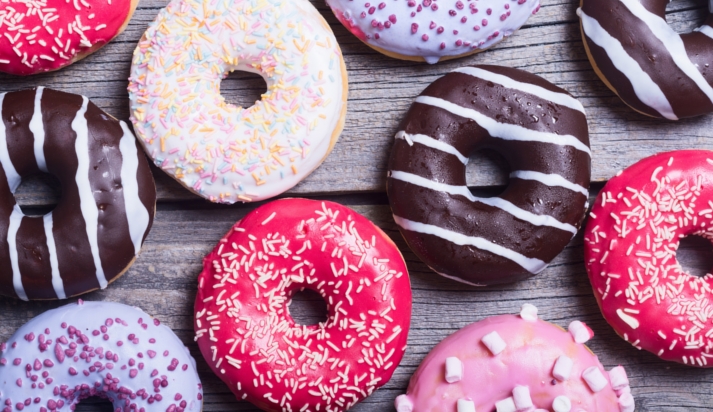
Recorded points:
(381,90)
(162,282)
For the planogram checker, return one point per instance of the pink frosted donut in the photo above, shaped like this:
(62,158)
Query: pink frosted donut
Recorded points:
(630,252)
(102,349)
(513,364)
(243,324)
(428,30)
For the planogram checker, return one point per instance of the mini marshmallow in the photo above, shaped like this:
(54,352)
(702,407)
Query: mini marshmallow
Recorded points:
(580,331)
(505,405)
(521,396)
(454,369)
(563,368)
(561,404)
(465,405)
(494,342)
(626,403)
(528,312)
(618,378)
(403,404)
(594,378)
(625,389)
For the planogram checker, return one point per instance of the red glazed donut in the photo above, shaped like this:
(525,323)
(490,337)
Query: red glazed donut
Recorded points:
(243,326)
(44,36)
(630,253)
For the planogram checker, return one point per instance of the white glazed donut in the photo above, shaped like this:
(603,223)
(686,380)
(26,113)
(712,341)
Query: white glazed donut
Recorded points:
(225,153)
(97,349)
(427,30)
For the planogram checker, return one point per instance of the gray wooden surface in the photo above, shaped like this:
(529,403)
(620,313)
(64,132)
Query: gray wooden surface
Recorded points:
(162,281)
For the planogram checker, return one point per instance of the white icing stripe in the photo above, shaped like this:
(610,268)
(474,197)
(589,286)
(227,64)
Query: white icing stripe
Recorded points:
(13,179)
(673,43)
(12,228)
(503,130)
(537,220)
(706,29)
(38,131)
(532,265)
(88,204)
(549,180)
(646,90)
(138,216)
(432,143)
(555,97)
(57,282)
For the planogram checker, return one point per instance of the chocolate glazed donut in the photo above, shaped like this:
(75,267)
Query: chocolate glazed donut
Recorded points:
(537,127)
(107,204)
(655,70)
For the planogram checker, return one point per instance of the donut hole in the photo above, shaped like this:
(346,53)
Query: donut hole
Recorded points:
(95,404)
(37,195)
(307,307)
(694,255)
(487,173)
(242,89)
(685,16)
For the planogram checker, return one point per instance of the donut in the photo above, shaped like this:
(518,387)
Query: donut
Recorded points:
(652,68)
(48,35)
(631,239)
(426,30)
(539,129)
(225,153)
(515,363)
(103,349)
(107,204)
(242,318)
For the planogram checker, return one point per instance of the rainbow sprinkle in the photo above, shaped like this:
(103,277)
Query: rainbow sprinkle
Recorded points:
(222,152)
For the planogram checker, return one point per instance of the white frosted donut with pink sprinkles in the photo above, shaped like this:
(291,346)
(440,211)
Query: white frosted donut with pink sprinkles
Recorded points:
(222,152)
(431,30)
(631,239)
(100,349)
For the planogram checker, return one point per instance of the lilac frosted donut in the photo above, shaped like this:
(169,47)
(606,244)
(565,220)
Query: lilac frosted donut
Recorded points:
(101,349)
(427,30)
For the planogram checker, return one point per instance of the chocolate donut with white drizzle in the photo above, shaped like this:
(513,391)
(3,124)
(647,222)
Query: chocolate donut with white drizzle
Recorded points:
(652,68)
(538,128)
(107,204)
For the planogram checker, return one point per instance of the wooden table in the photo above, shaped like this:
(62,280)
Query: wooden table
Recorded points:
(162,281)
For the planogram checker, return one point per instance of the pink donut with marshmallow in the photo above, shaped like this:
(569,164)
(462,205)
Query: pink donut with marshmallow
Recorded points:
(631,239)
(516,364)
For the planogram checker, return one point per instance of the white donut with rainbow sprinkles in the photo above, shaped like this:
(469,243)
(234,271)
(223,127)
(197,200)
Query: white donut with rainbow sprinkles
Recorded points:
(222,152)
(102,349)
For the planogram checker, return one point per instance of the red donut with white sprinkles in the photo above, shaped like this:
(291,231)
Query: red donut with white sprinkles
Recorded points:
(243,324)
(631,239)
(46,35)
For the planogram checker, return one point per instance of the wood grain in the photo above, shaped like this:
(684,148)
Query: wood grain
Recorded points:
(162,282)
(381,90)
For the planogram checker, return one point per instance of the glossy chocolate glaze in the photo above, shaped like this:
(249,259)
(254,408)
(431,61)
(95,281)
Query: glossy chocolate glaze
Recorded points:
(459,214)
(685,96)
(74,257)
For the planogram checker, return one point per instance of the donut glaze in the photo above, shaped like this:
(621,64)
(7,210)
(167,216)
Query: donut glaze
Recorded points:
(222,152)
(46,35)
(485,380)
(101,349)
(544,139)
(430,31)
(652,68)
(631,240)
(244,328)
(108,196)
